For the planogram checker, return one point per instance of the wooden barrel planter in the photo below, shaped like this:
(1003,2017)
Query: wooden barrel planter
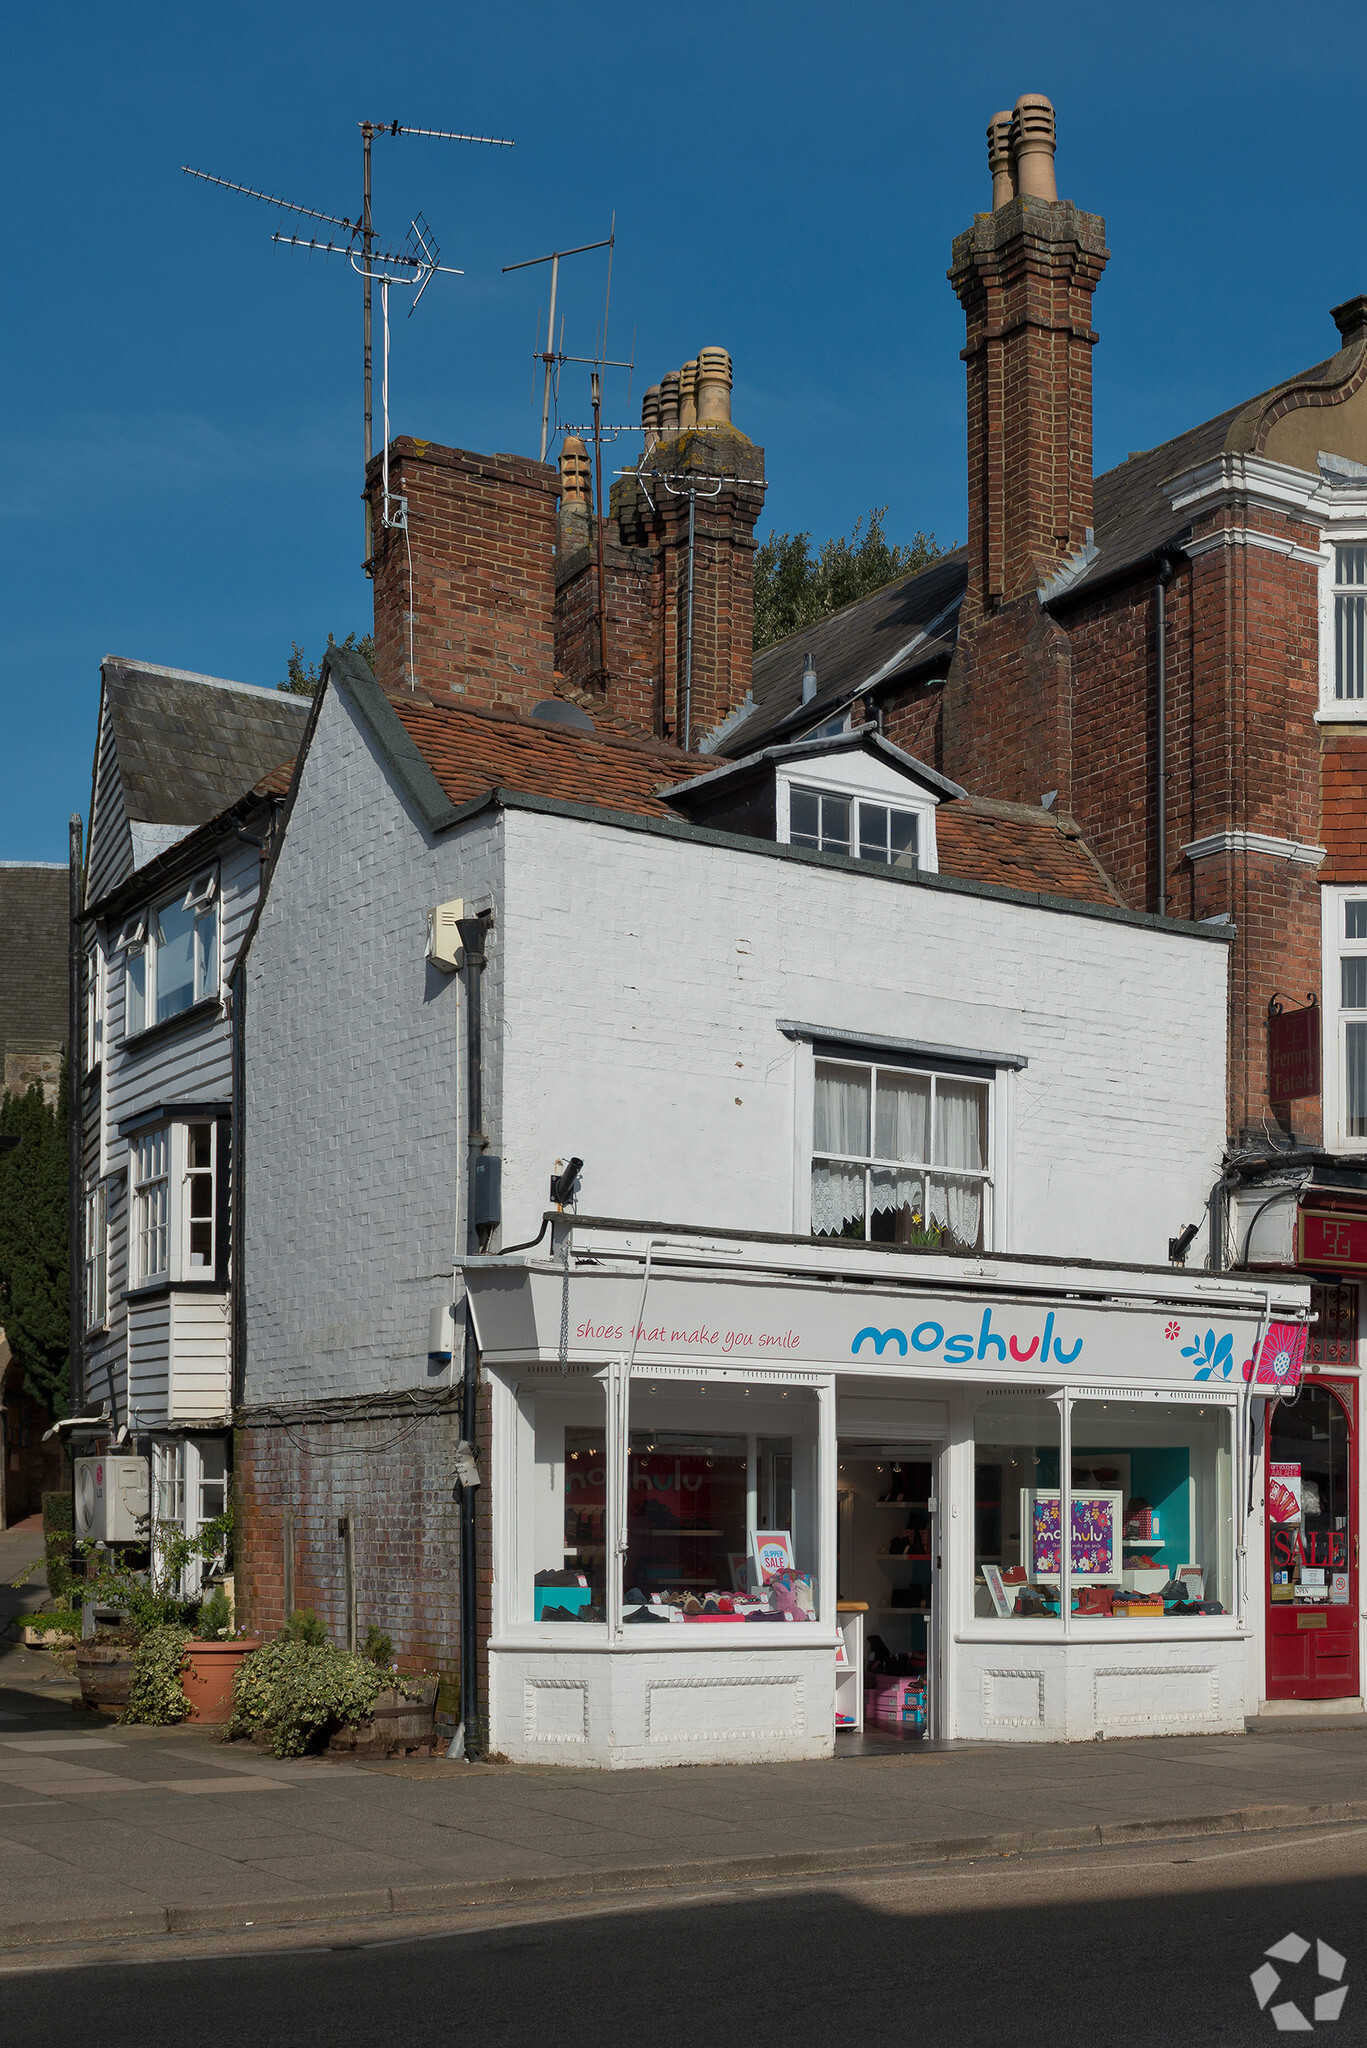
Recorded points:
(396,1722)
(207,1675)
(105,1676)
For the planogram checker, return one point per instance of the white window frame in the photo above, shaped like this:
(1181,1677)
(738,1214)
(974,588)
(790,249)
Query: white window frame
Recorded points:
(190,1174)
(922,808)
(149,1223)
(178,1484)
(1335,948)
(94,1006)
(138,940)
(868,1061)
(96,1255)
(1335,710)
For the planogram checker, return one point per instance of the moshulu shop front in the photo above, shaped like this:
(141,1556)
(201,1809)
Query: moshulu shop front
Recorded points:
(758,1497)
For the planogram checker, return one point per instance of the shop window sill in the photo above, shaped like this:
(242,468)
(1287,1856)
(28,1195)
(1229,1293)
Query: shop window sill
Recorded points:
(560,1636)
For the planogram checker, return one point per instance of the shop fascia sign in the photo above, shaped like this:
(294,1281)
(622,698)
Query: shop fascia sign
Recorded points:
(724,1322)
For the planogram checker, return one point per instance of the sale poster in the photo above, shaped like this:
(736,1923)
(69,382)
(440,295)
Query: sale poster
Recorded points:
(1284,1491)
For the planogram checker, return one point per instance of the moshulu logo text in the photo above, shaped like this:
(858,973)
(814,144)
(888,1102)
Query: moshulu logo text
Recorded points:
(1287,2015)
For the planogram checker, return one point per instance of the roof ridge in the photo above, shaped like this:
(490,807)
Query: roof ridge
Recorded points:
(189,675)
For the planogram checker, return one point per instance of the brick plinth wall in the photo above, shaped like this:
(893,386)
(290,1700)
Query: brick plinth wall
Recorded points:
(1025,276)
(482,531)
(391,1468)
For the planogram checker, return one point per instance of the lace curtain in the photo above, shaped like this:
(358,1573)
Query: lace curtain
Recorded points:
(840,1124)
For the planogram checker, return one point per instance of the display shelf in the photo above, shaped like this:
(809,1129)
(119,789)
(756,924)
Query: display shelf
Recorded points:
(1142,1542)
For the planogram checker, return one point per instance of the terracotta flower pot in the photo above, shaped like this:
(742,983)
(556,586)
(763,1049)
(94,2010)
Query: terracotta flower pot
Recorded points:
(208,1673)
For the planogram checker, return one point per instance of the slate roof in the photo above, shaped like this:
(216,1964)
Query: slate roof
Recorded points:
(34,927)
(860,646)
(189,746)
(472,753)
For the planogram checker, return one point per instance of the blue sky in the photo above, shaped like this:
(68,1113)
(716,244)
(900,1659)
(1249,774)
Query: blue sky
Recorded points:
(183,421)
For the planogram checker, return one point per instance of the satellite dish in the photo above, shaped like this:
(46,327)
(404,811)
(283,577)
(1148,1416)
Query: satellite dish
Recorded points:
(555,711)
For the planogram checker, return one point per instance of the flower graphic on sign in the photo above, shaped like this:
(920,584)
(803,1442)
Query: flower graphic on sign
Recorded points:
(1173,1332)
(1212,1356)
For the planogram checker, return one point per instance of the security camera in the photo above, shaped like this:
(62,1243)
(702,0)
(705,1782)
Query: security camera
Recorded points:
(565,1184)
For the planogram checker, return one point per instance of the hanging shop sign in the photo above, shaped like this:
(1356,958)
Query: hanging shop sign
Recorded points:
(1293,1052)
(762,1329)
(1336,1239)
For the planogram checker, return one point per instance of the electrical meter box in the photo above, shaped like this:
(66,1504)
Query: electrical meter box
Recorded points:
(113,1500)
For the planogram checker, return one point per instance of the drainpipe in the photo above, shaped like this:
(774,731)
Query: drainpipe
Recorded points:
(75,1100)
(1166,570)
(688,643)
(472,935)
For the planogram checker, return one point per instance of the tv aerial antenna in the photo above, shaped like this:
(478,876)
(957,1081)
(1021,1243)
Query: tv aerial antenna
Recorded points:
(552,357)
(415,264)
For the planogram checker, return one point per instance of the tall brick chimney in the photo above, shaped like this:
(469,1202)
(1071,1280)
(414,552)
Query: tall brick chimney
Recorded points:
(691,449)
(1025,274)
(465,596)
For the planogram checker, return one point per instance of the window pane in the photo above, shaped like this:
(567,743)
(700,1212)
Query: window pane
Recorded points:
(1352,564)
(1311,1533)
(135,992)
(960,1124)
(804,818)
(837,1201)
(175,938)
(213,1478)
(842,1110)
(1353,977)
(200,1145)
(702,1486)
(873,832)
(905,839)
(903,1116)
(1355,1108)
(1355,920)
(564,1577)
(206,955)
(955,1211)
(1152,1508)
(1015,1508)
(835,824)
(897,1208)
(1350,651)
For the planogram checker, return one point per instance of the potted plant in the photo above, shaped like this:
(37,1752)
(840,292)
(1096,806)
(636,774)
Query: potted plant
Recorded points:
(142,1667)
(210,1661)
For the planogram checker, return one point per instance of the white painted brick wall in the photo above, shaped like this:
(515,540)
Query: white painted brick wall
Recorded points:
(633,992)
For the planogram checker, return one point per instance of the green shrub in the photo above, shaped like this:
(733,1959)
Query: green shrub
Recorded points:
(58,1529)
(64,1620)
(297,1692)
(156,1694)
(304,1626)
(378,1646)
(215,1616)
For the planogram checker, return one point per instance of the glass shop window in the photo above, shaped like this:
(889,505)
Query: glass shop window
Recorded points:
(722,1505)
(565,1575)
(1310,1516)
(1152,1509)
(1016,1509)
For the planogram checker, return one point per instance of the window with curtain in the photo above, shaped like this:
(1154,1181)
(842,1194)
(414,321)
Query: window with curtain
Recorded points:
(1350,622)
(900,1156)
(1352,1019)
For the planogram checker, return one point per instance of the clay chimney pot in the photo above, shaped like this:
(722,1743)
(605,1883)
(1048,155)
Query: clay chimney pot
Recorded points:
(576,475)
(999,160)
(688,396)
(669,404)
(1033,139)
(713,402)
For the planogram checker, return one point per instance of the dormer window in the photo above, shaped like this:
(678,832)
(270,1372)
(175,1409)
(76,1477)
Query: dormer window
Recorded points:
(828,823)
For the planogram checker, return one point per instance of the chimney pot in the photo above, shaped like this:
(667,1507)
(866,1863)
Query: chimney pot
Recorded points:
(999,160)
(576,475)
(688,396)
(1351,320)
(713,401)
(669,405)
(808,678)
(1033,139)
(650,413)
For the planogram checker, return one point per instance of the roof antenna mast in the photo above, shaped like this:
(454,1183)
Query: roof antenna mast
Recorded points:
(551,356)
(414,265)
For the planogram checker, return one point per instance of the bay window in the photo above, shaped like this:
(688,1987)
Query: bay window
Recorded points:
(152,1205)
(900,1155)
(171,956)
(179,1191)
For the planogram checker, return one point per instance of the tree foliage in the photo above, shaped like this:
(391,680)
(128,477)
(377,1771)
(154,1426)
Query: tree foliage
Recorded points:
(794,587)
(303,677)
(34,1297)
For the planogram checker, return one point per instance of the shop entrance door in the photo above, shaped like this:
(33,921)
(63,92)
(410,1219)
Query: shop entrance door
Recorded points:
(1312,1544)
(888,1571)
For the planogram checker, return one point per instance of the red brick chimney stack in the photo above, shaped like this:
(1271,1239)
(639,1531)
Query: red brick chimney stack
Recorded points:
(1025,274)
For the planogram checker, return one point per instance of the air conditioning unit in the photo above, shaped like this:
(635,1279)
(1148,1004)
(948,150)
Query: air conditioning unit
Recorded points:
(113,1500)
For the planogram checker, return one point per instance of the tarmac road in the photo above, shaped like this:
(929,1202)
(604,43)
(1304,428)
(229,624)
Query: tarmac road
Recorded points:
(1150,1945)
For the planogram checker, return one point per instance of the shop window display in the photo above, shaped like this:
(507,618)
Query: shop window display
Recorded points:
(1309,1506)
(568,1500)
(1156,1480)
(721,1505)
(1015,1509)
